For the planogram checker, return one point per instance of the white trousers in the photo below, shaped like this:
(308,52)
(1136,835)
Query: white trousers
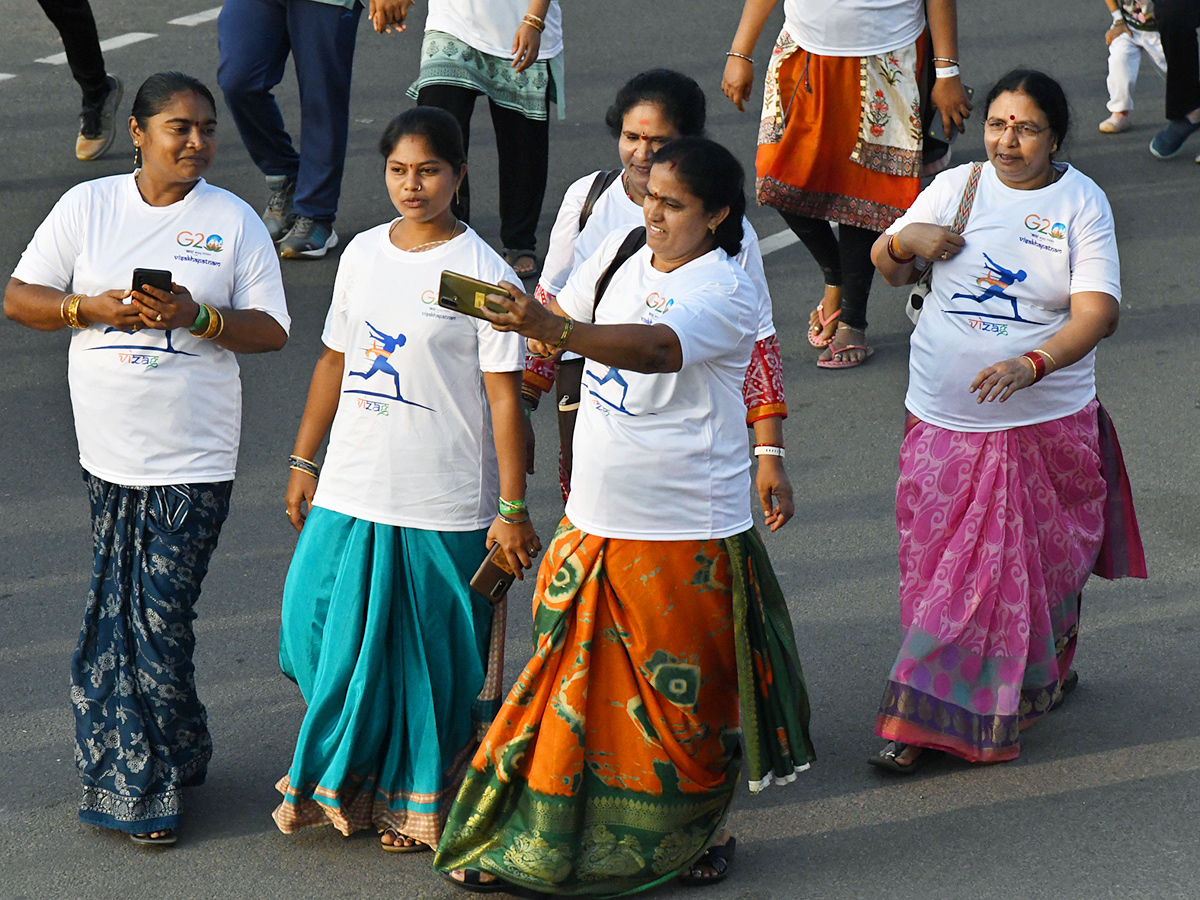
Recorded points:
(1124,58)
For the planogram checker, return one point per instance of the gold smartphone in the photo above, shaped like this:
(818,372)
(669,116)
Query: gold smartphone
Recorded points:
(494,576)
(465,295)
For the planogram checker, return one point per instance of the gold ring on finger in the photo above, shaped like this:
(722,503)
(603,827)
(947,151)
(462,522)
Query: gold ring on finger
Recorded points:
(158,318)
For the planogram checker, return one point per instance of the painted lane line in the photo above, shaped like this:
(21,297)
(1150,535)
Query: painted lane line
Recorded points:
(4,76)
(777,241)
(121,40)
(197,18)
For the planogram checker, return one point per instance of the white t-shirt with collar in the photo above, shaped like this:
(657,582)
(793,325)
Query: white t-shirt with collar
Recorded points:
(663,456)
(1007,292)
(154,407)
(854,27)
(490,25)
(615,211)
(411,443)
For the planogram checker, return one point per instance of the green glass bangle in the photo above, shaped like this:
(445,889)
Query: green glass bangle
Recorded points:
(202,319)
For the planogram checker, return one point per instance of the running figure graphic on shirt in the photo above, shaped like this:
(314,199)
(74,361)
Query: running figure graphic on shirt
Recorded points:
(997,279)
(613,374)
(382,349)
(170,348)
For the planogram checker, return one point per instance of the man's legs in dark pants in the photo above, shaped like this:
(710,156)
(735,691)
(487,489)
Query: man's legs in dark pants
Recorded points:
(523,145)
(77,27)
(1177,24)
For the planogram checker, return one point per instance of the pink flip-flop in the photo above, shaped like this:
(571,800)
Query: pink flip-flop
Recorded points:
(832,363)
(814,330)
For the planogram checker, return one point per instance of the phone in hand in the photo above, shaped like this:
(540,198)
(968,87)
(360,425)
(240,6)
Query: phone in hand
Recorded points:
(467,295)
(156,278)
(494,576)
(937,128)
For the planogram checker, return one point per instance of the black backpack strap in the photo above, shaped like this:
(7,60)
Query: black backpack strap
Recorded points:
(600,184)
(634,241)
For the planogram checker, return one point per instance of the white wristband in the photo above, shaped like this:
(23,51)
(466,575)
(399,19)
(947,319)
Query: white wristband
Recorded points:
(769,450)
(946,72)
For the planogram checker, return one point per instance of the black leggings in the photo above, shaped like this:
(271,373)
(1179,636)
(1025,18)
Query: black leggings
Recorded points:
(523,146)
(1177,24)
(77,28)
(845,261)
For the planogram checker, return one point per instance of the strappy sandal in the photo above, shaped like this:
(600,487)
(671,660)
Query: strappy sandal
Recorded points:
(718,856)
(529,270)
(888,761)
(471,882)
(814,331)
(834,363)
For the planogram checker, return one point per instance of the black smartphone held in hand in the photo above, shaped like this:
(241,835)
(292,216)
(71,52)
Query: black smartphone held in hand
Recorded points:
(466,295)
(494,576)
(156,278)
(937,128)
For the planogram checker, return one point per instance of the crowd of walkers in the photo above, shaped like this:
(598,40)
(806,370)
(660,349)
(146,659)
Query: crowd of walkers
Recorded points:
(664,665)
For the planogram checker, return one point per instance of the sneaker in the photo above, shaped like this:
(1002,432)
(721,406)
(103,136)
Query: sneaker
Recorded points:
(308,238)
(1170,140)
(98,123)
(1116,123)
(278,216)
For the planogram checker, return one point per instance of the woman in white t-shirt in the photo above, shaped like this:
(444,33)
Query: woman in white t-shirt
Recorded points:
(1008,459)
(652,108)
(510,51)
(398,659)
(157,405)
(615,758)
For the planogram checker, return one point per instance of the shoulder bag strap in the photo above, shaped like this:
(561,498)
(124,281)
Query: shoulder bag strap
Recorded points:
(632,244)
(600,184)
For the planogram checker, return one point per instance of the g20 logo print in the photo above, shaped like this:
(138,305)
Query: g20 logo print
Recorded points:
(1036,223)
(197,240)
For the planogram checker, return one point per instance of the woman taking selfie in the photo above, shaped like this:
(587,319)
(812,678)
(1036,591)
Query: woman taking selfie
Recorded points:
(398,660)
(614,760)
(651,109)
(157,404)
(1009,469)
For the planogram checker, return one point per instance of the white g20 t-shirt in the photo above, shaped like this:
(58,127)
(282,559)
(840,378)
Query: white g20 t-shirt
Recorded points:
(1006,293)
(490,25)
(663,457)
(411,443)
(612,211)
(854,27)
(154,407)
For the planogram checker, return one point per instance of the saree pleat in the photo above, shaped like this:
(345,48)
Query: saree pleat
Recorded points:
(998,534)
(141,731)
(399,664)
(614,759)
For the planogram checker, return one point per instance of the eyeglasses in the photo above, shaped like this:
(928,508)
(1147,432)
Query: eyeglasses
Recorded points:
(1023,130)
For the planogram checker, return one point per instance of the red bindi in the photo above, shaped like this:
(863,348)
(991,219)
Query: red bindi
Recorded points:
(1012,118)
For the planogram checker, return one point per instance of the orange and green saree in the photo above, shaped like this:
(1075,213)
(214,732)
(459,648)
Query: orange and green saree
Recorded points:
(613,762)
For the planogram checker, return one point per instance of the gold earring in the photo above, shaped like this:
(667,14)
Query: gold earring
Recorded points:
(713,229)
(137,155)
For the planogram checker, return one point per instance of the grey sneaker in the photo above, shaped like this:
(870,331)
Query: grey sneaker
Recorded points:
(278,216)
(98,123)
(308,239)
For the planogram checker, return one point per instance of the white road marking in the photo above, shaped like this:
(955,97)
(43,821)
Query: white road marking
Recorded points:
(121,40)
(197,18)
(4,76)
(777,241)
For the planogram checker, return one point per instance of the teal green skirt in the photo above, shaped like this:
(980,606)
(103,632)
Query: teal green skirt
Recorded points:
(399,662)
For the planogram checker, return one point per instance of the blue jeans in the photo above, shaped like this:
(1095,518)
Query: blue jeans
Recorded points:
(255,38)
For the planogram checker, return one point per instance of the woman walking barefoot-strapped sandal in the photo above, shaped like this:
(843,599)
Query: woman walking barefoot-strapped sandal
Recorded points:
(889,758)
(820,334)
(716,859)
(848,361)
(394,841)
(164,838)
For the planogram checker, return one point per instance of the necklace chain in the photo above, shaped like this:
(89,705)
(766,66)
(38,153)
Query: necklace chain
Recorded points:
(429,245)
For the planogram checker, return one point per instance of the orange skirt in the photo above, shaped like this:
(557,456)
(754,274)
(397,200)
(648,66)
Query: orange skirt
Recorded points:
(809,170)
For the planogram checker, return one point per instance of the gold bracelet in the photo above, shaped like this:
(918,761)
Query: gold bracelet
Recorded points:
(740,56)
(62,309)
(1053,361)
(216,324)
(72,316)
(537,23)
(566,333)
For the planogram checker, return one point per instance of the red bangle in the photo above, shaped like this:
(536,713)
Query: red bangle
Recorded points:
(896,258)
(1039,364)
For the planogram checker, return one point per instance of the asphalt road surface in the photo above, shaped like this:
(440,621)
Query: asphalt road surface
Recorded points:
(1105,796)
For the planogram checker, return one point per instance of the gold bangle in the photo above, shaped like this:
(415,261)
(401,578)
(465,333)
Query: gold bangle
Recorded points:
(1053,361)
(220,325)
(535,22)
(62,309)
(73,312)
(568,326)
(740,56)
(216,324)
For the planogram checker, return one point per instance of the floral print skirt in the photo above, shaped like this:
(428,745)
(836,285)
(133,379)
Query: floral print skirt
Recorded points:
(141,732)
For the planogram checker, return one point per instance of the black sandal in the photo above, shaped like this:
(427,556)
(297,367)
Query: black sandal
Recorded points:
(719,856)
(887,760)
